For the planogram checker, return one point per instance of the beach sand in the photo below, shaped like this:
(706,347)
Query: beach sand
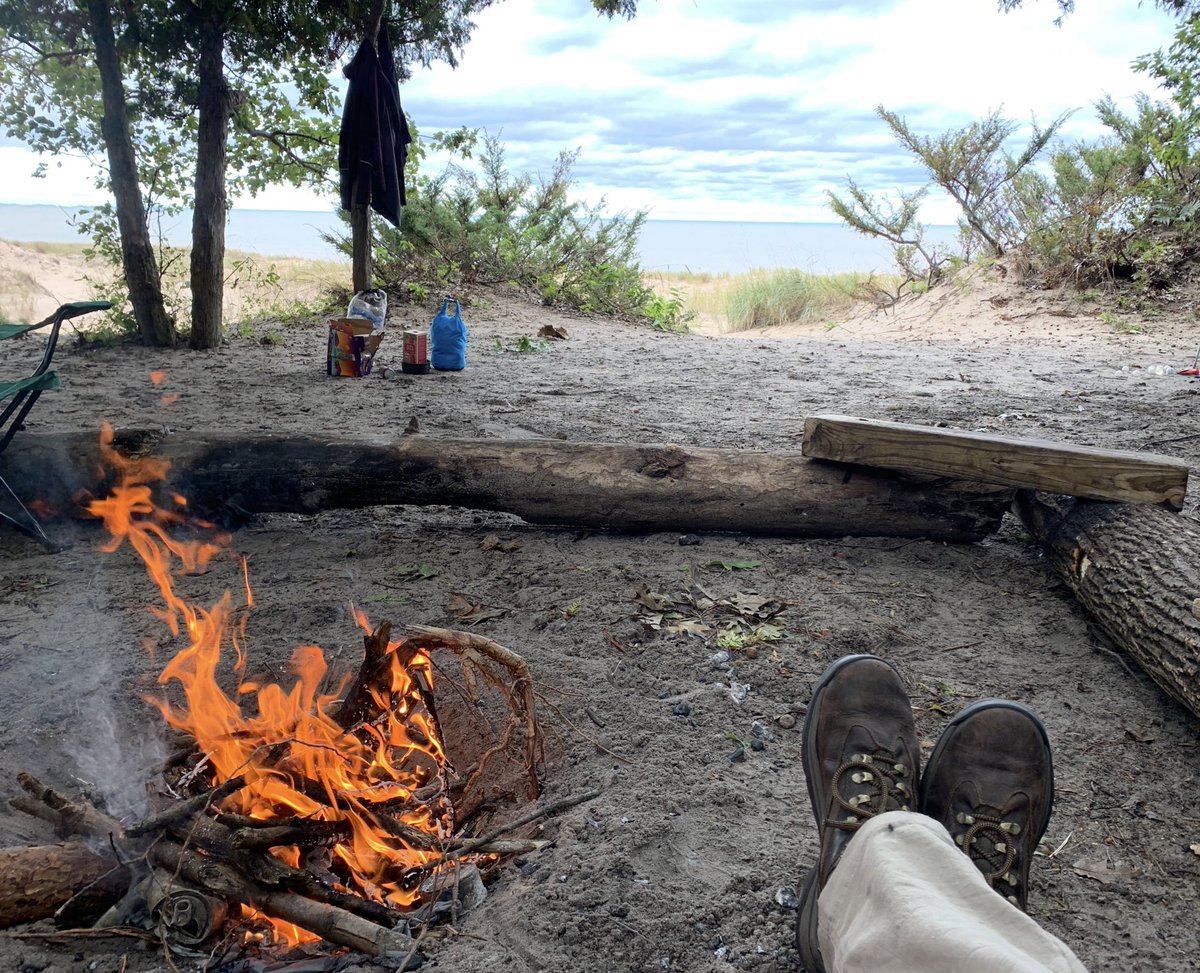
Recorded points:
(690,857)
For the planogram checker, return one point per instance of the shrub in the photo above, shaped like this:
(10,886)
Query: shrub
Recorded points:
(491,227)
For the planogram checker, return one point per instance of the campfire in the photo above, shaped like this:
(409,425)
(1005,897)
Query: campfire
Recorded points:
(328,808)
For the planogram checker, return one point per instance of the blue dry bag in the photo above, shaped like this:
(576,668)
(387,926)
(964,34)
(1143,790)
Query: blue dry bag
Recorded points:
(448,339)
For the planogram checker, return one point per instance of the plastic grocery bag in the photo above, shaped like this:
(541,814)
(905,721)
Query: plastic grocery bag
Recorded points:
(448,338)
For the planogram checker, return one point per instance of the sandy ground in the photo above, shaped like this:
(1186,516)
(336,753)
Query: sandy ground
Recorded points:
(688,858)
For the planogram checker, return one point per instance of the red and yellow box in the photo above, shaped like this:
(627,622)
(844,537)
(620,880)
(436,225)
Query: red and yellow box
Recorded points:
(352,346)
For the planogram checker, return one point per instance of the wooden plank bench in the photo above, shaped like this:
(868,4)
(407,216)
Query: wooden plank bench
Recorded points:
(1079,471)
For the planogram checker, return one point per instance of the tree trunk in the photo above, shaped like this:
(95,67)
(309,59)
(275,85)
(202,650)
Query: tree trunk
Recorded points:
(1137,572)
(208,219)
(137,252)
(361,263)
(362,253)
(662,488)
(38,879)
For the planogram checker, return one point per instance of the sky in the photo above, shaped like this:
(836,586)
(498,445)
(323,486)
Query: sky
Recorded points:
(743,110)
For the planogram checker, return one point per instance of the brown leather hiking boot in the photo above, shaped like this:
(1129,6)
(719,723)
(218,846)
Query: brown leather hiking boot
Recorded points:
(860,759)
(990,782)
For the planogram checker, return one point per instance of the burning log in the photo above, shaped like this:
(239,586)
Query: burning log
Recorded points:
(1136,570)
(545,482)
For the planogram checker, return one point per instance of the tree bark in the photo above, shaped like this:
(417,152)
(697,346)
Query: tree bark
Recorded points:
(38,879)
(208,219)
(662,488)
(137,252)
(361,262)
(1136,570)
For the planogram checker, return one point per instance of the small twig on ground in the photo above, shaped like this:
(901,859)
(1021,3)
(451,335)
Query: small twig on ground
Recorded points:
(1164,442)
(1061,846)
(126,931)
(592,740)
(962,645)
(475,651)
(547,810)
(1121,662)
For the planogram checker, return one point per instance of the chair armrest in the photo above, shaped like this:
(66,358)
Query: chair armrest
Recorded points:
(65,313)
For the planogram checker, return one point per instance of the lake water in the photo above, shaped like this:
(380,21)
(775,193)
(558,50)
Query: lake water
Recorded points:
(675,245)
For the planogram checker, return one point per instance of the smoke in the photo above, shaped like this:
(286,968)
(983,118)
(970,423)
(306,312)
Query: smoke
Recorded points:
(118,754)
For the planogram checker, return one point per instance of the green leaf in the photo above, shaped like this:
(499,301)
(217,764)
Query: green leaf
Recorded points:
(736,564)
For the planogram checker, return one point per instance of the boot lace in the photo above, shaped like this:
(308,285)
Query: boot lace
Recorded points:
(881,782)
(988,842)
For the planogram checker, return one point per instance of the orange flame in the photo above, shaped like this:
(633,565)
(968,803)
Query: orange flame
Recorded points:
(297,760)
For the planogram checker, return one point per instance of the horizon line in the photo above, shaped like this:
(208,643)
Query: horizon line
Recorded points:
(333,212)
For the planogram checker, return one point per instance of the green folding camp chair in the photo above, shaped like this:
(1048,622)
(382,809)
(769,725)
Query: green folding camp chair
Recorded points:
(21,395)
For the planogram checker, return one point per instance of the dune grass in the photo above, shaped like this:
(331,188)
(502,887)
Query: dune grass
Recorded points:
(766,298)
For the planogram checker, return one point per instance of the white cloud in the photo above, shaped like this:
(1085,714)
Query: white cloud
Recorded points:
(742,109)
(68,180)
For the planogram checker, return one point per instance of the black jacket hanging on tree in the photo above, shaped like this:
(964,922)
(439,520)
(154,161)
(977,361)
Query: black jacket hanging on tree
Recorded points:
(374,138)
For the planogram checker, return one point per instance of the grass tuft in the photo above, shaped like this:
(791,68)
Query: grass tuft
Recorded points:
(765,298)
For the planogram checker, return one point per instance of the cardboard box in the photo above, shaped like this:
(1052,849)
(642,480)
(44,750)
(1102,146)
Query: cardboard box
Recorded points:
(415,359)
(352,346)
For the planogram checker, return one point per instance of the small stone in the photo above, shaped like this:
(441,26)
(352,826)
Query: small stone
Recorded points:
(738,755)
(719,659)
(682,708)
(786,720)
(757,746)
(690,540)
(752,652)
(786,897)
(395,960)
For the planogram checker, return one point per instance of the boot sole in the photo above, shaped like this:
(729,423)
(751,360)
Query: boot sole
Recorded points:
(806,926)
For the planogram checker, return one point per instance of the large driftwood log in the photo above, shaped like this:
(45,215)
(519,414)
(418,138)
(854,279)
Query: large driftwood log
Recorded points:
(1137,572)
(40,878)
(668,488)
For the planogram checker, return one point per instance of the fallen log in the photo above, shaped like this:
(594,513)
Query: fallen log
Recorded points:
(1136,570)
(37,880)
(667,488)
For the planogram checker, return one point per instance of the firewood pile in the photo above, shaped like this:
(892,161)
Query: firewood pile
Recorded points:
(218,869)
